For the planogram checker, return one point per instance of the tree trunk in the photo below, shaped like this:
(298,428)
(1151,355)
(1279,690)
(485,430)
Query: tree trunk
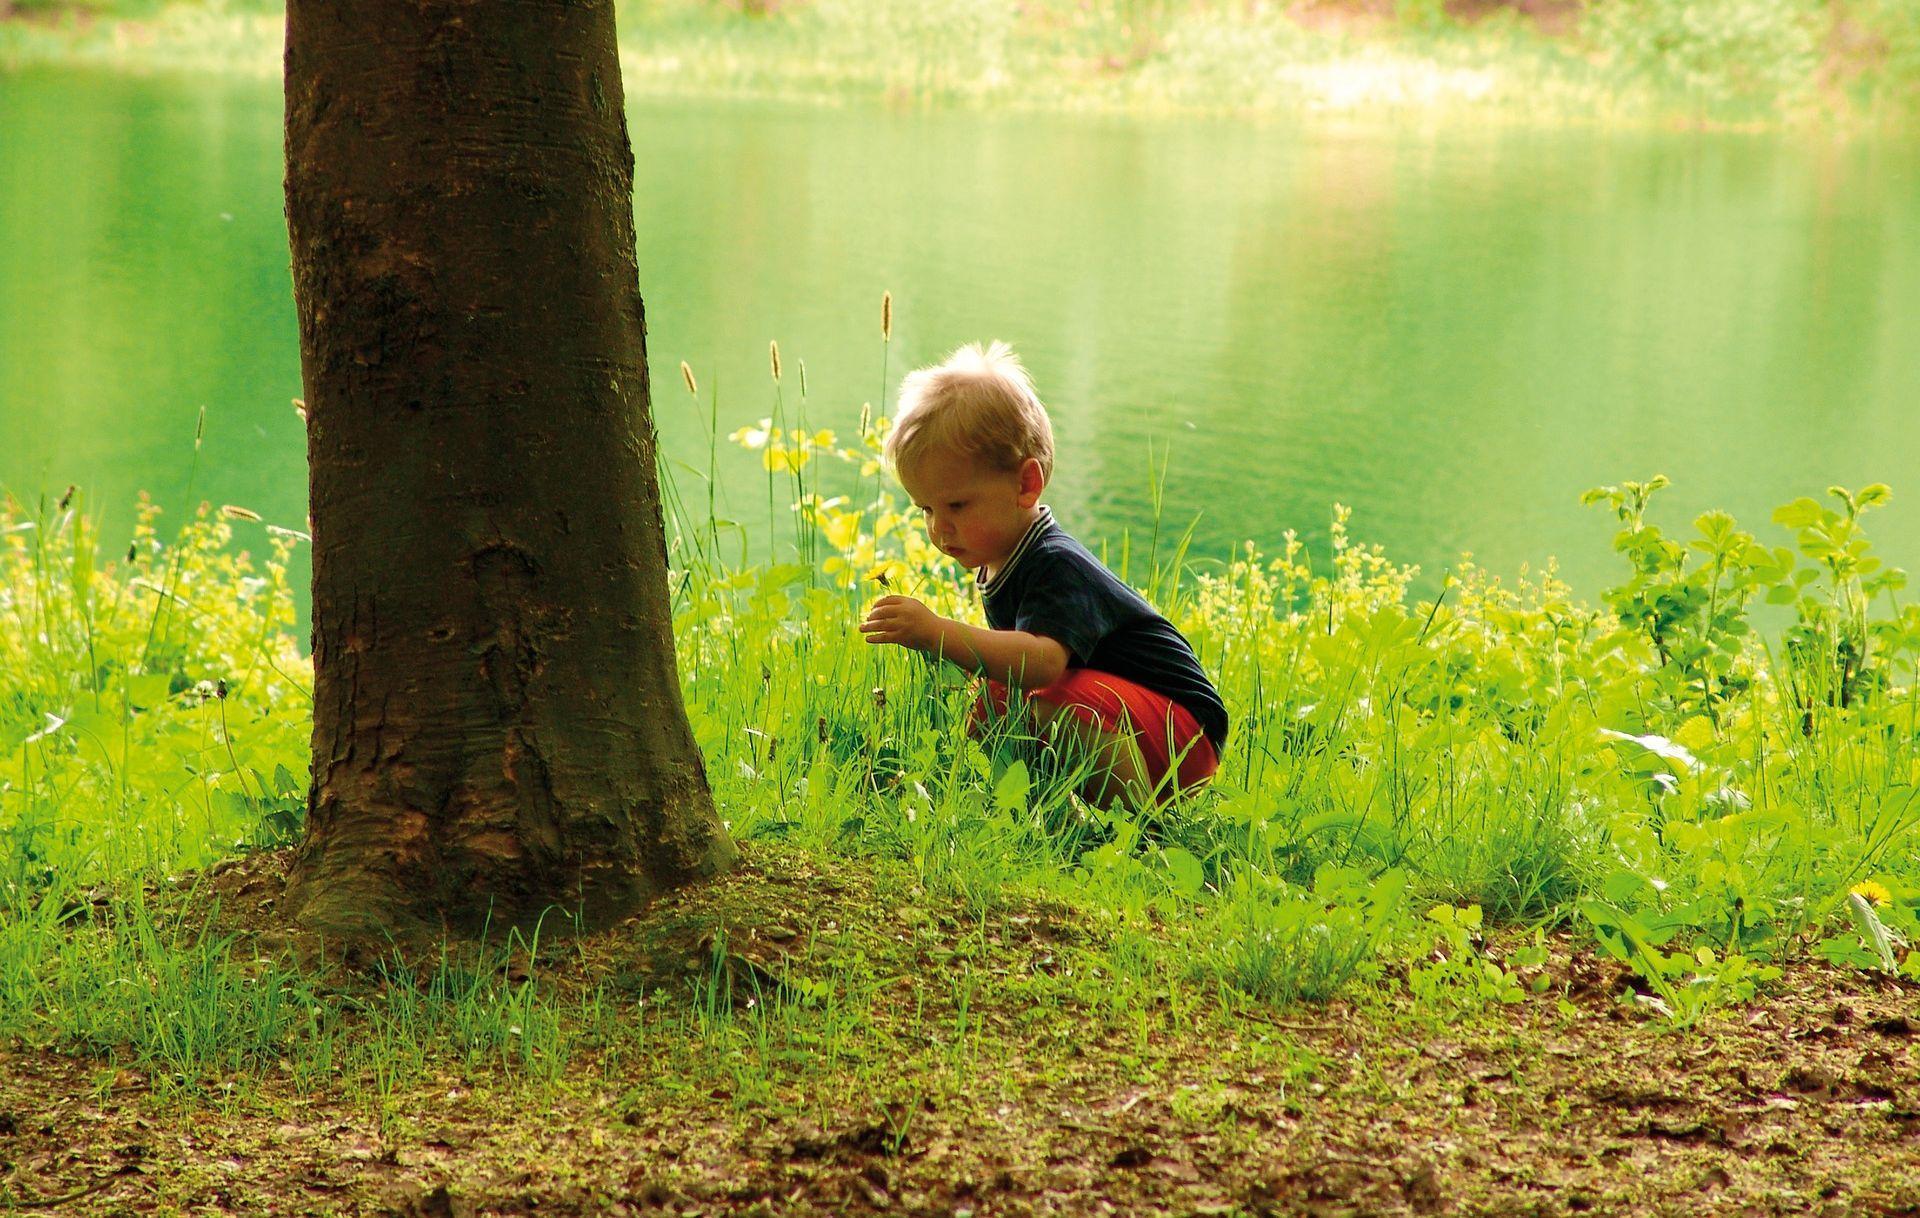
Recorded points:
(498,727)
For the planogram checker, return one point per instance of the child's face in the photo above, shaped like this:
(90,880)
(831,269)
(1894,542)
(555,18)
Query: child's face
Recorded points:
(973,512)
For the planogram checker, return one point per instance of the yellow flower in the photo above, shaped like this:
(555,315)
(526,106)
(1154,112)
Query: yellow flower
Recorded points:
(753,437)
(1872,890)
(842,529)
(778,457)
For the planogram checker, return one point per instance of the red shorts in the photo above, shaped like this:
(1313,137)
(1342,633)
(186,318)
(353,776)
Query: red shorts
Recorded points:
(1166,732)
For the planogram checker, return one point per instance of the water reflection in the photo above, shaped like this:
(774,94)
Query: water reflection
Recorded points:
(1454,332)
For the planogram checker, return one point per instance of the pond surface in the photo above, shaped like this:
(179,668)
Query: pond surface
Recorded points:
(1453,331)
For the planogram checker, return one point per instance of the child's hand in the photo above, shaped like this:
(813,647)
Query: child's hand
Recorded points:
(902,620)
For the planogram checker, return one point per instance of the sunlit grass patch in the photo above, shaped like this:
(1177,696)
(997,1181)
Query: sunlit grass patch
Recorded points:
(1709,775)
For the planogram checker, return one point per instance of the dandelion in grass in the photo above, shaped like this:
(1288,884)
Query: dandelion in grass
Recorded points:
(1872,891)
(893,574)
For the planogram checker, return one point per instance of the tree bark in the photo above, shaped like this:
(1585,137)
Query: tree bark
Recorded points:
(498,726)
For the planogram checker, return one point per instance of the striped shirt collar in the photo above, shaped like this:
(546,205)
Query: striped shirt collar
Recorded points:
(1041,524)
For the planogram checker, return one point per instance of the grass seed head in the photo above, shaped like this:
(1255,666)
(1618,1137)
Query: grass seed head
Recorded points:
(773,355)
(886,317)
(235,512)
(686,374)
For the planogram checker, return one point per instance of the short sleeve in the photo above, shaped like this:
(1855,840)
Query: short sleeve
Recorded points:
(1067,607)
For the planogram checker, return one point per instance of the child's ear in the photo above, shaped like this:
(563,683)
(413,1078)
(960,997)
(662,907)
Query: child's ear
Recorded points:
(1033,480)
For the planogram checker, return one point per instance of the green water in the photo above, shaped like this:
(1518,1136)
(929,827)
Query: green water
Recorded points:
(1453,331)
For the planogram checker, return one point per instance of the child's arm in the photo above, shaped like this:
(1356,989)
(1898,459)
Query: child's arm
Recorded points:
(1012,657)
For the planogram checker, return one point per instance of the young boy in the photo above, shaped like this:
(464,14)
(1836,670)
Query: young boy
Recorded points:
(973,448)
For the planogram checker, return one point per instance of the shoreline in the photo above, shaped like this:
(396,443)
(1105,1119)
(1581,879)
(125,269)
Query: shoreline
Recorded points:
(1499,71)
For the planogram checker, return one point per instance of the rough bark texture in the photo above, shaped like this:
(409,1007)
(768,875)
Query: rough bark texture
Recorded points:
(497,720)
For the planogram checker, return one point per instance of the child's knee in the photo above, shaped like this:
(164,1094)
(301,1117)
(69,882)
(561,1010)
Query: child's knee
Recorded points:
(990,706)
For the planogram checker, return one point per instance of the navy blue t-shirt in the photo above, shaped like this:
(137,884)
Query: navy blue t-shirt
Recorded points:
(1051,585)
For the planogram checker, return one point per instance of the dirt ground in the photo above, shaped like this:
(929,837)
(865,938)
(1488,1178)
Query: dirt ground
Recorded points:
(1805,1102)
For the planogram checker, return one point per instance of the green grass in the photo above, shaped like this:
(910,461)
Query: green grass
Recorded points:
(1710,775)
(1626,61)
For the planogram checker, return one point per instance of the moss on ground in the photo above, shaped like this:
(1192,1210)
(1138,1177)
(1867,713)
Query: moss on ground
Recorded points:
(818,1035)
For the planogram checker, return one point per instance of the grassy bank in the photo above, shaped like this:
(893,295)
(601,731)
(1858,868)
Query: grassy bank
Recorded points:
(1744,61)
(1703,797)
(1544,840)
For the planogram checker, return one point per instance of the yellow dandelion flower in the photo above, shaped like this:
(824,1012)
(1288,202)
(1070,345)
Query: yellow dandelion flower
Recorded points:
(1872,890)
(891,574)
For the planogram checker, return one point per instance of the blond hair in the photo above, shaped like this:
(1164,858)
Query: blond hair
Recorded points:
(977,402)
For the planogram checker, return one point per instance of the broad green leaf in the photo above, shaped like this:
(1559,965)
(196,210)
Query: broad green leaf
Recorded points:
(1800,514)
(1872,929)
(1188,876)
(1010,792)
(1622,887)
(148,690)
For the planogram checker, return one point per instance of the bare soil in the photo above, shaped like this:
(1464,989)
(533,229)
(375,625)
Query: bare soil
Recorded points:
(1808,1101)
